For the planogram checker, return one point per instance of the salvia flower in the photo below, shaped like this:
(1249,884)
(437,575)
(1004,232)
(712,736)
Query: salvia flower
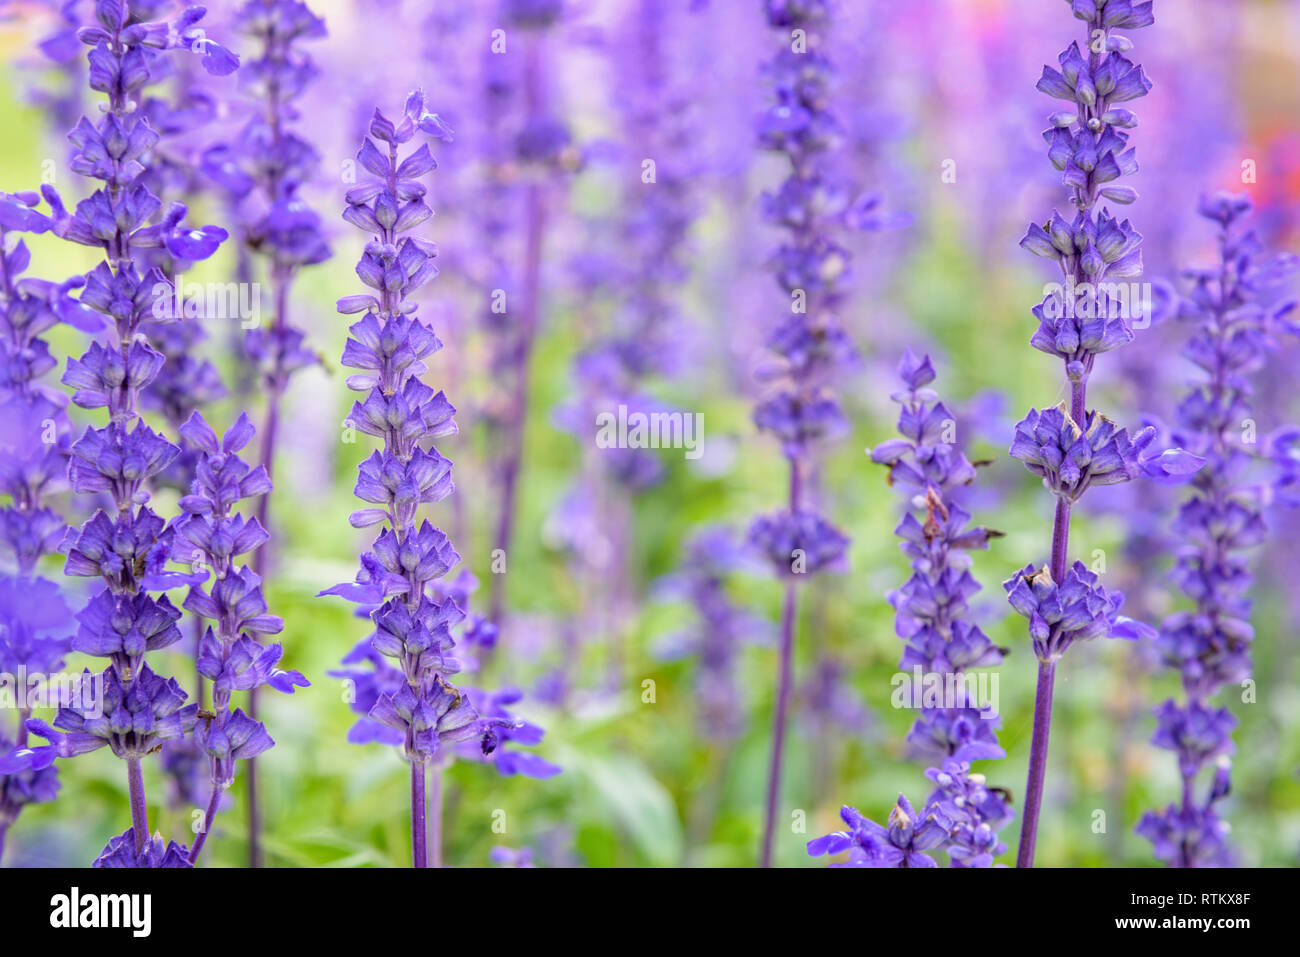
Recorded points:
(808,347)
(507,729)
(410,700)
(902,843)
(35,437)
(125,220)
(1089,311)
(1076,609)
(1234,318)
(512,857)
(932,617)
(138,713)
(975,811)
(125,851)
(262,172)
(1071,457)
(209,535)
(713,557)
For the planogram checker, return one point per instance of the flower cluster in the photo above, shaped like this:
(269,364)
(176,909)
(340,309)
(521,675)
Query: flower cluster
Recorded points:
(128,545)
(1087,143)
(406,698)
(389,345)
(132,151)
(229,654)
(932,613)
(713,556)
(1071,457)
(647,261)
(809,347)
(932,607)
(35,436)
(1234,319)
(527,144)
(1077,609)
(262,172)
(902,844)
(122,851)
(1087,313)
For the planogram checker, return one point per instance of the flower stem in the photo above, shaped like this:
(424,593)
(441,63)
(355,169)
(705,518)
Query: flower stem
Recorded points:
(534,233)
(1037,763)
(139,815)
(281,278)
(435,814)
(208,815)
(1060,540)
(198,675)
(419,829)
(784,681)
(1047,669)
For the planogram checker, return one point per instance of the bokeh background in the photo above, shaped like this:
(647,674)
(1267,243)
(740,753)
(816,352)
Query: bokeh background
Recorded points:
(926,85)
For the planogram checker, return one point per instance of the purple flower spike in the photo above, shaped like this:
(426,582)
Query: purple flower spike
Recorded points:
(1089,311)
(902,843)
(808,348)
(264,171)
(1234,316)
(507,730)
(406,699)
(128,299)
(1077,609)
(940,644)
(122,851)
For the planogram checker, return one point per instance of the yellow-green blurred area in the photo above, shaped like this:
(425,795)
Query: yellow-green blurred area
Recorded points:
(953,147)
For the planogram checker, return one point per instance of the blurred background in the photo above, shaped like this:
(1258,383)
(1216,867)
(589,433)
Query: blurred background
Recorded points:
(942,121)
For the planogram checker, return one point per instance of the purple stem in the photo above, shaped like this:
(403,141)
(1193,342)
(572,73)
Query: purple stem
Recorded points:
(198,675)
(1037,763)
(208,815)
(435,815)
(139,815)
(1060,540)
(4,829)
(785,678)
(419,828)
(270,432)
(535,220)
(784,685)
(1047,669)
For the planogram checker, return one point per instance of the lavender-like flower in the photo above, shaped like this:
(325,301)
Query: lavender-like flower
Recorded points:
(1072,447)
(262,173)
(637,260)
(35,436)
(713,556)
(932,611)
(229,655)
(932,608)
(1234,320)
(538,145)
(128,547)
(395,586)
(902,843)
(808,346)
